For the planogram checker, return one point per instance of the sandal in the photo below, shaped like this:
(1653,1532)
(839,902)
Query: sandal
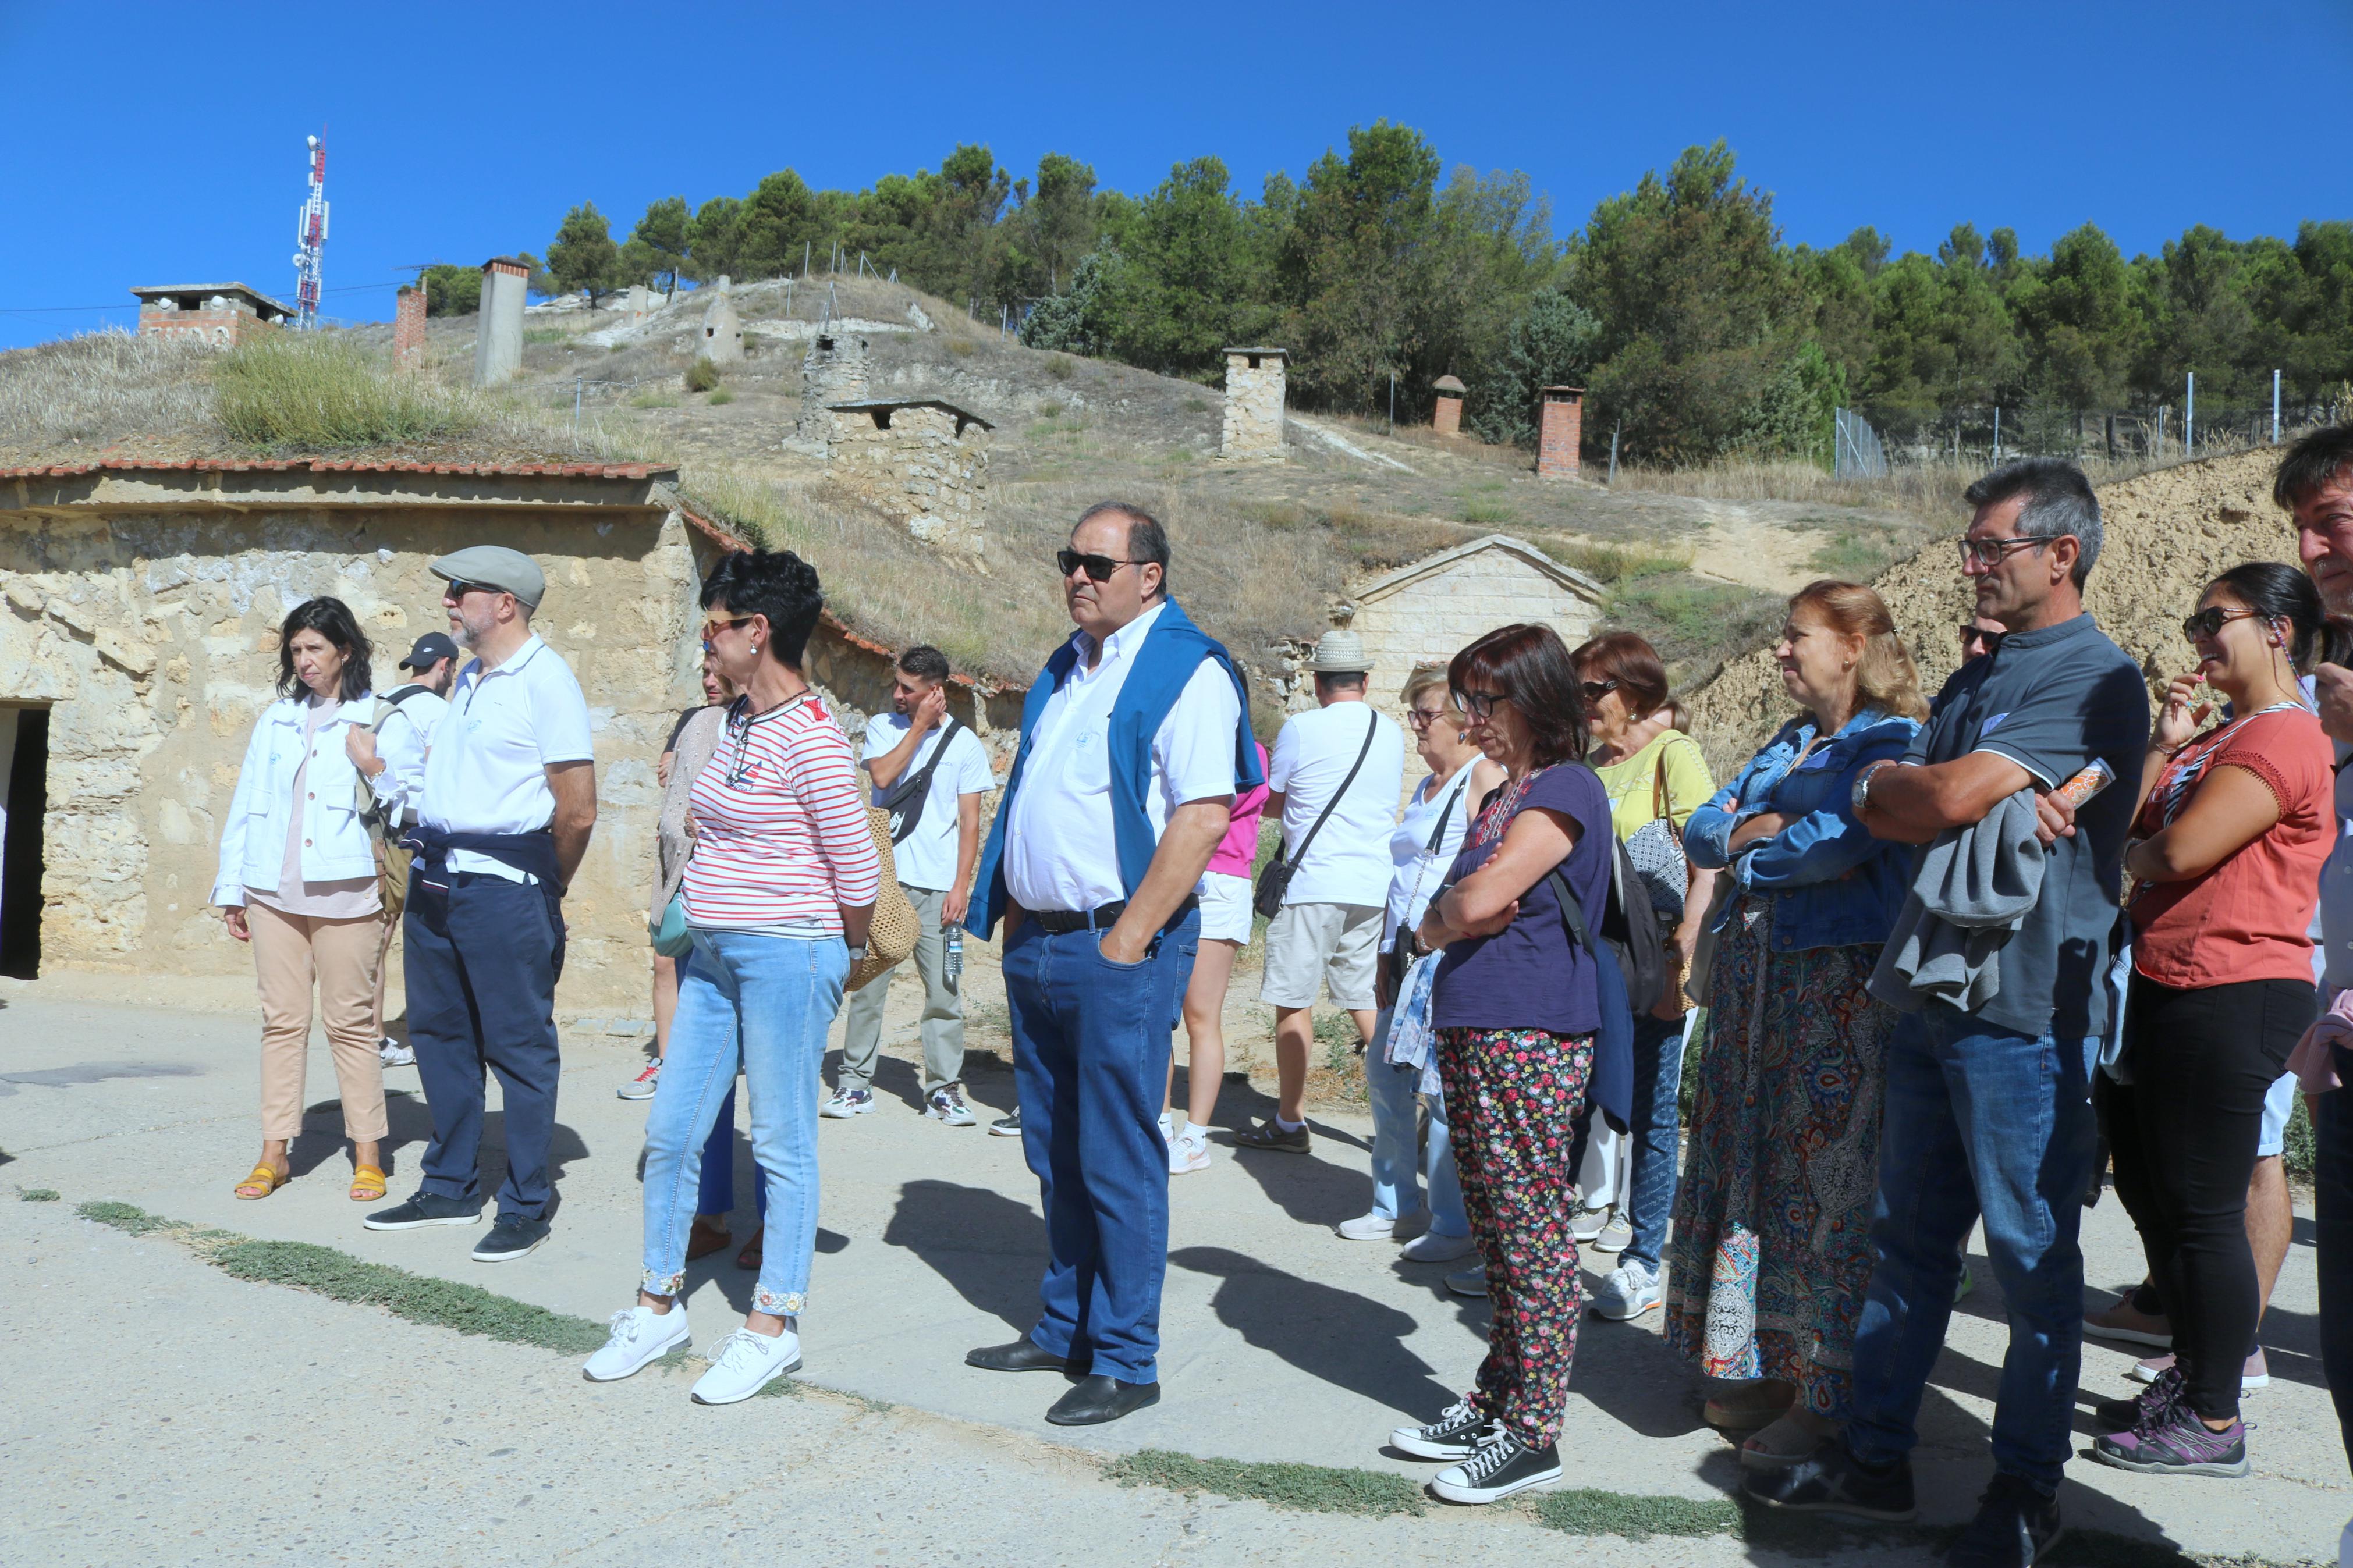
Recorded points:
(750,1258)
(367,1185)
(263,1177)
(1798,1435)
(704,1238)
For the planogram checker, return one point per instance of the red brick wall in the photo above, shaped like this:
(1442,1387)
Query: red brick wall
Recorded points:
(218,329)
(408,329)
(1447,418)
(1562,433)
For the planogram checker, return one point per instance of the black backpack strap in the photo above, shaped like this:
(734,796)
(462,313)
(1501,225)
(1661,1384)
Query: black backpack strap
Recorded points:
(1572,913)
(1371,728)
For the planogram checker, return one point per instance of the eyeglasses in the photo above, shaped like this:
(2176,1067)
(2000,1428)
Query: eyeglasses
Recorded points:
(1098,568)
(1479,704)
(1993,552)
(713,628)
(2210,622)
(458,590)
(1423,718)
(1594,690)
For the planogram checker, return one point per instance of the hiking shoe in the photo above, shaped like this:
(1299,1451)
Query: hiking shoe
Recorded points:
(1616,1237)
(2151,1408)
(2257,1374)
(1367,1227)
(1189,1153)
(1830,1481)
(1502,1465)
(638,1335)
(426,1208)
(746,1362)
(2180,1445)
(2015,1525)
(2135,1320)
(1456,1435)
(642,1086)
(946,1104)
(394,1054)
(848,1102)
(509,1238)
(1586,1225)
(1470,1281)
(1268,1135)
(1631,1289)
(1006,1126)
(1431,1248)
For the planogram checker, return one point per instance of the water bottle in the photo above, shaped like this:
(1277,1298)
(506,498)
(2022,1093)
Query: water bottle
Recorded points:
(954,966)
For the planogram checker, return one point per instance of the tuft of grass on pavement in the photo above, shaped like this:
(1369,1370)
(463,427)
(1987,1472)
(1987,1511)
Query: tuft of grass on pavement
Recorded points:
(1315,1489)
(1637,1518)
(128,1217)
(421,1299)
(36,1195)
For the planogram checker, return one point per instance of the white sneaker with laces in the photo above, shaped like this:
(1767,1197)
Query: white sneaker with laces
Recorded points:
(1189,1153)
(1431,1248)
(1588,1224)
(848,1102)
(746,1362)
(1631,1289)
(946,1104)
(1616,1237)
(642,1086)
(639,1335)
(1368,1227)
(1169,1127)
(394,1054)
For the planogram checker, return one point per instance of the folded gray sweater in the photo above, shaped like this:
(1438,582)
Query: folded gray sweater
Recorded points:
(1974,886)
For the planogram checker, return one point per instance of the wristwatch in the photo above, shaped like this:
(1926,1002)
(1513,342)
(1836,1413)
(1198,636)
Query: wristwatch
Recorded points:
(1860,796)
(858,953)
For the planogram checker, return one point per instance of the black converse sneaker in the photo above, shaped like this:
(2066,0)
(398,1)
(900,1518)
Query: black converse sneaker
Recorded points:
(1453,1436)
(1500,1466)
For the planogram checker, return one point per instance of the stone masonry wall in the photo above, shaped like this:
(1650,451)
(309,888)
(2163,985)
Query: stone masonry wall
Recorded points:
(1430,618)
(1253,426)
(920,470)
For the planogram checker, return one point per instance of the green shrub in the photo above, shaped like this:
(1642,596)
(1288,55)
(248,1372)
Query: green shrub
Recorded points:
(650,399)
(546,335)
(719,397)
(1487,513)
(960,347)
(1060,366)
(1315,1489)
(702,376)
(36,1195)
(310,392)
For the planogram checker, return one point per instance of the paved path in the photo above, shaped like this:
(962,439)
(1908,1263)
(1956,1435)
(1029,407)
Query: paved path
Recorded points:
(136,1370)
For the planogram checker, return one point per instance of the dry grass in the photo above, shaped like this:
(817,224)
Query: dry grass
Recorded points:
(318,392)
(1925,490)
(101,387)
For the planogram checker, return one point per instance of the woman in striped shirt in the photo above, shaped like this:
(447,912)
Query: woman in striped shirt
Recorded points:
(778,896)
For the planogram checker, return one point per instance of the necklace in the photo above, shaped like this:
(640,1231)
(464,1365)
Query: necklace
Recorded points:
(740,720)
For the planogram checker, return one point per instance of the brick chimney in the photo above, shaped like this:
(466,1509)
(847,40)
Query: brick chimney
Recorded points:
(498,335)
(408,329)
(1446,418)
(1561,433)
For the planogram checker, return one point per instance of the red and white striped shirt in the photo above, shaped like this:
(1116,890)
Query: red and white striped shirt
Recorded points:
(781,834)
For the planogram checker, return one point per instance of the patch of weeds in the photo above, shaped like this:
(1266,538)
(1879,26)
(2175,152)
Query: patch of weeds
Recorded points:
(419,1297)
(653,400)
(991,1017)
(128,1217)
(1282,516)
(701,376)
(1691,618)
(719,397)
(1197,406)
(1315,1489)
(786,1387)
(616,348)
(1637,1518)
(1059,366)
(960,347)
(38,1194)
(1487,512)
(546,335)
(1616,563)
(1051,409)
(1854,553)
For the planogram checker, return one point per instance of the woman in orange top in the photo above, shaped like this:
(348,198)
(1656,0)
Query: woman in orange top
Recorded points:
(2234,826)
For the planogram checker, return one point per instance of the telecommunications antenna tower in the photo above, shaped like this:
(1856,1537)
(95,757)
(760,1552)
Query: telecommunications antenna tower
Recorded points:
(310,241)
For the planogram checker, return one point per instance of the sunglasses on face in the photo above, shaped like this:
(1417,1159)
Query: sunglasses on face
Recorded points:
(2209,622)
(1594,690)
(712,628)
(1479,704)
(1098,568)
(1993,552)
(457,590)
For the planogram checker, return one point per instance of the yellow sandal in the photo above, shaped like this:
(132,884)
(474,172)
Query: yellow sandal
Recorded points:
(268,1179)
(367,1185)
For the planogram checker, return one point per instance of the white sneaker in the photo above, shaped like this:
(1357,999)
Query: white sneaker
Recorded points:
(848,1102)
(746,1362)
(946,1104)
(1631,1289)
(394,1054)
(639,1335)
(1470,1282)
(1169,1127)
(1616,1237)
(1368,1227)
(1431,1248)
(1588,1224)
(1189,1153)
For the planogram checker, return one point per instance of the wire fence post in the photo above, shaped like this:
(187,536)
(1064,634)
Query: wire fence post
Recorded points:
(2190,418)
(1997,432)
(575,405)
(1613,449)
(1392,402)
(2276,380)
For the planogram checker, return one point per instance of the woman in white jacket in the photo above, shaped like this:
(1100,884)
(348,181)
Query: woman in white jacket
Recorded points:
(298,880)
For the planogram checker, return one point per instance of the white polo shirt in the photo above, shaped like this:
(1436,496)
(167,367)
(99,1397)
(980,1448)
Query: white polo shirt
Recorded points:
(926,858)
(1348,863)
(403,780)
(1059,851)
(487,771)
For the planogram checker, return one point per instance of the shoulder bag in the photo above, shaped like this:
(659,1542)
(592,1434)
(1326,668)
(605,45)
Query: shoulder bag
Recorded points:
(392,854)
(1275,880)
(1656,847)
(890,935)
(904,800)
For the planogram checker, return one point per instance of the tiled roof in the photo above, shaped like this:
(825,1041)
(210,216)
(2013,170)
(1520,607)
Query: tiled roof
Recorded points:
(339,466)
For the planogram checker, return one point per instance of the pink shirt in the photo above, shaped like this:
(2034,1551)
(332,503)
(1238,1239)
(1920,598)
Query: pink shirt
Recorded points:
(1236,852)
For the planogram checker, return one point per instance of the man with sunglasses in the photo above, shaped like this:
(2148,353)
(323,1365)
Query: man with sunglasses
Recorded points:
(1135,741)
(2000,1092)
(509,802)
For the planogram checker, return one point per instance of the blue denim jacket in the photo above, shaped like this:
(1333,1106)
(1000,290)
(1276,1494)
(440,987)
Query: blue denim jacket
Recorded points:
(1833,885)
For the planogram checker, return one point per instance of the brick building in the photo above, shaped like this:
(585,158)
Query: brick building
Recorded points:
(218,315)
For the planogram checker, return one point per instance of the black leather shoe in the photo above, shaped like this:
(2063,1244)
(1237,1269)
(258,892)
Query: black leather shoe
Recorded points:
(1022,1355)
(1101,1399)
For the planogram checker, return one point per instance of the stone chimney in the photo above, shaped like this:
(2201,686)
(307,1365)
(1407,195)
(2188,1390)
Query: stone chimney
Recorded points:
(833,370)
(723,333)
(1561,432)
(1446,418)
(408,328)
(1254,387)
(497,334)
(638,305)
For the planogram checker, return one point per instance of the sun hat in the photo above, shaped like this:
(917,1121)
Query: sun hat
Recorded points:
(1340,653)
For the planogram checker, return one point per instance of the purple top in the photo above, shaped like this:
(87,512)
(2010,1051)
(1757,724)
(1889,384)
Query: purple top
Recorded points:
(1530,974)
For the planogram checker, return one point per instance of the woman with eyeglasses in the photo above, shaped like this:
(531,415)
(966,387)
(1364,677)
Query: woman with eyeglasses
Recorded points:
(1515,1008)
(2235,822)
(780,893)
(1656,779)
(1428,837)
(1771,1256)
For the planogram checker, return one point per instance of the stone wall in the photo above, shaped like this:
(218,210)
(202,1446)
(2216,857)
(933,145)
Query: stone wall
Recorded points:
(1254,392)
(833,370)
(223,322)
(925,465)
(1429,619)
(1561,438)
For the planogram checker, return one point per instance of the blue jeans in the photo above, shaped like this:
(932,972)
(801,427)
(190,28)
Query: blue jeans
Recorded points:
(2014,1111)
(1397,1174)
(1091,1042)
(764,1002)
(1658,1089)
(2332,1170)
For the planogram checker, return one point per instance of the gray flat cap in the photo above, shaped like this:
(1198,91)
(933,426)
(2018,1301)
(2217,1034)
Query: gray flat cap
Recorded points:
(495,566)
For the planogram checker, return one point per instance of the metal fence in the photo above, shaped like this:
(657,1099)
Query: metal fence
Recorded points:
(1858,454)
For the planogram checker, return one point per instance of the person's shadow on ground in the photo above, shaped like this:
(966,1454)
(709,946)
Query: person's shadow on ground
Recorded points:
(990,1247)
(321,1138)
(1348,1340)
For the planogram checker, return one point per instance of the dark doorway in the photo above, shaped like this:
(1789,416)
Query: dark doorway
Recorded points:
(20,855)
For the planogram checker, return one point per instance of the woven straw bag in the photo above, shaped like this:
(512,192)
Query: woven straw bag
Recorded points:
(892,937)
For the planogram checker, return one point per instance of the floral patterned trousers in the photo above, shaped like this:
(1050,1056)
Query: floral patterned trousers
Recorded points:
(1511,1095)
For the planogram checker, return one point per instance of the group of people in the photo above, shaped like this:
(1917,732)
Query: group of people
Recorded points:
(1928,1001)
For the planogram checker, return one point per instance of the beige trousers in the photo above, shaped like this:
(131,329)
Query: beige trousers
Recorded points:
(383,968)
(290,953)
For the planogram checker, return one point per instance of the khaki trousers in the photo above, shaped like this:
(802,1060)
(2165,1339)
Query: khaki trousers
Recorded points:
(290,953)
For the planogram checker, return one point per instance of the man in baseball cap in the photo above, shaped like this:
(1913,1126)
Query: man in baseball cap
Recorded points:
(419,704)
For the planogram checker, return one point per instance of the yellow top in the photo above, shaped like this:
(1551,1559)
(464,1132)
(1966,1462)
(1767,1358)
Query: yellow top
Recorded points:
(1634,783)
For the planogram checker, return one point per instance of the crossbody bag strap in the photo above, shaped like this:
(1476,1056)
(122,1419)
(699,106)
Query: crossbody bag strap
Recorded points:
(1333,803)
(909,788)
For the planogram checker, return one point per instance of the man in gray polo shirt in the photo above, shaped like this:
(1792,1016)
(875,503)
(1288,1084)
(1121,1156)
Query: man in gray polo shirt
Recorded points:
(1999,1095)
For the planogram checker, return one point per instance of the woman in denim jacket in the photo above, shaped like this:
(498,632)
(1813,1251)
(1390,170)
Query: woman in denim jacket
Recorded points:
(1771,1253)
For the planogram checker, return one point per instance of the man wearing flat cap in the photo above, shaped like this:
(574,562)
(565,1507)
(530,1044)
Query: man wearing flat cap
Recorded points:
(1335,776)
(510,799)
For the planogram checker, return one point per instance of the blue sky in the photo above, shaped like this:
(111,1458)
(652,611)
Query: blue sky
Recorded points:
(154,144)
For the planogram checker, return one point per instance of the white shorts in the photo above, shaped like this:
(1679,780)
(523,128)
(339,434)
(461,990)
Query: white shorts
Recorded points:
(1224,908)
(2279,1108)
(1309,946)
